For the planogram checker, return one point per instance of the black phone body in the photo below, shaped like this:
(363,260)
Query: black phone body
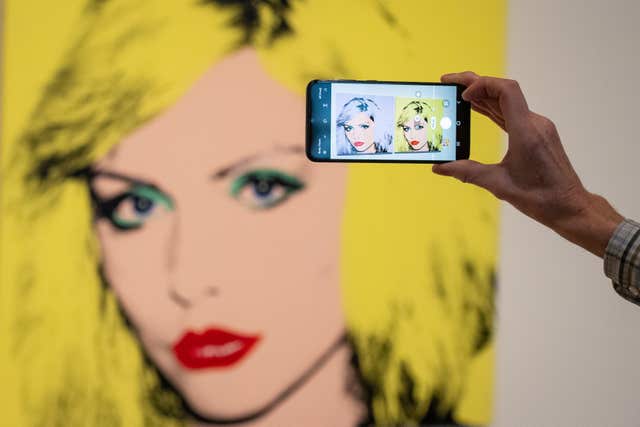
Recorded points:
(386,122)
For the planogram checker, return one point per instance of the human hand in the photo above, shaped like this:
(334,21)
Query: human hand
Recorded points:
(535,175)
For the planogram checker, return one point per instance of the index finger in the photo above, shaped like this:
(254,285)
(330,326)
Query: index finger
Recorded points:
(510,99)
(505,93)
(466,78)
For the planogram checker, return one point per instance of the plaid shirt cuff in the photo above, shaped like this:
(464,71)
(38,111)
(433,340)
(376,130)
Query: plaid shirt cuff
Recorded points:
(622,260)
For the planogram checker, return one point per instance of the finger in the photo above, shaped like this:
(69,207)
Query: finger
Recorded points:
(465,78)
(469,171)
(488,112)
(511,100)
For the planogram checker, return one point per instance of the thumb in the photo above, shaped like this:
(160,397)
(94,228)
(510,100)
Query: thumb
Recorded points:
(468,171)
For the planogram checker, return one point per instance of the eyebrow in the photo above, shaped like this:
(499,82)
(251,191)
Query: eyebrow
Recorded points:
(224,171)
(219,174)
(121,177)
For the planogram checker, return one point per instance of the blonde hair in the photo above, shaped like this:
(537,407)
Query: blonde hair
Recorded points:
(411,110)
(417,316)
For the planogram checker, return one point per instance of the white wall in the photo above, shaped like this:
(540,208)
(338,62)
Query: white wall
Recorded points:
(568,346)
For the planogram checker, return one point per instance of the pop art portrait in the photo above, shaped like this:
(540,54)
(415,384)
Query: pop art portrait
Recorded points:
(364,124)
(169,255)
(418,125)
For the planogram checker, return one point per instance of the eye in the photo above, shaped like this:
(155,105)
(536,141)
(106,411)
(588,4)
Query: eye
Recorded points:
(348,128)
(264,189)
(364,126)
(406,128)
(133,208)
(418,127)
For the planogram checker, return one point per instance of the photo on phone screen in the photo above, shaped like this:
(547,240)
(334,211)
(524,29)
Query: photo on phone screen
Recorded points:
(386,122)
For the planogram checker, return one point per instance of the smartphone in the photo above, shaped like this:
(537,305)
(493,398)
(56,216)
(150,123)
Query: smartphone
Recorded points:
(382,121)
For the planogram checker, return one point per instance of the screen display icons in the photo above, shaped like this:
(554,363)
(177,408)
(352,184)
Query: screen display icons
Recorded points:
(367,121)
(445,123)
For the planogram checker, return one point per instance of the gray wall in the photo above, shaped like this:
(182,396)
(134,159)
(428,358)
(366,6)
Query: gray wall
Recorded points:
(568,346)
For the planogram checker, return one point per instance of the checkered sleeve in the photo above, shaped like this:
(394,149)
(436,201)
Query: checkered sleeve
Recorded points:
(622,260)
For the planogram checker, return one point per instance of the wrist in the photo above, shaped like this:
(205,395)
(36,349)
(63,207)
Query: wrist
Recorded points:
(592,224)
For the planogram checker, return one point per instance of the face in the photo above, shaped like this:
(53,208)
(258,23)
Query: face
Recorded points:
(360,132)
(415,133)
(224,256)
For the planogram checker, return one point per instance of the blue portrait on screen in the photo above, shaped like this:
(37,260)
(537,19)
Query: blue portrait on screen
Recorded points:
(359,129)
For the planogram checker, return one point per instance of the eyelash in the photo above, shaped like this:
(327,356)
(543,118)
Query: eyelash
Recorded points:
(407,128)
(263,182)
(348,128)
(139,193)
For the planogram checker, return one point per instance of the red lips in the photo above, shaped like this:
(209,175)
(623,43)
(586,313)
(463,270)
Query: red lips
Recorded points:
(414,142)
(358,143)
(213,348)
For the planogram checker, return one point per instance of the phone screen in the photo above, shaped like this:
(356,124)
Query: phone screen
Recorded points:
(386,122)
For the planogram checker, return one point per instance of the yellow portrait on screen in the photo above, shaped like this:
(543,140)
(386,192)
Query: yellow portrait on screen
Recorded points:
(170,257)
(418,125)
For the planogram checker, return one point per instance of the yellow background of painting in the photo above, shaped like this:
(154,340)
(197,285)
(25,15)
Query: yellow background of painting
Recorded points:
(35,37)
(37,34)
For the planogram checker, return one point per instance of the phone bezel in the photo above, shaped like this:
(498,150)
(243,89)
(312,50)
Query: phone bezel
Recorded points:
(463,114)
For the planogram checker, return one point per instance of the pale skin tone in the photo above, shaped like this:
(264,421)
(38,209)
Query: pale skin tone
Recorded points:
(224,243)
(535,175)
(415,133)
(360,132)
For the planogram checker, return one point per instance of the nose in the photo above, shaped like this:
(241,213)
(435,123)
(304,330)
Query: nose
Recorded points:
(185,300)
(191,261)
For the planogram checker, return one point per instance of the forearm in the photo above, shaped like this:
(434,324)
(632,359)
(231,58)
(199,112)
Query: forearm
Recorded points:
(592,226)
(537,178)
(601,230)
